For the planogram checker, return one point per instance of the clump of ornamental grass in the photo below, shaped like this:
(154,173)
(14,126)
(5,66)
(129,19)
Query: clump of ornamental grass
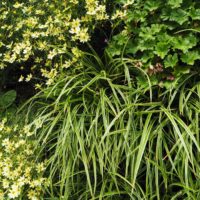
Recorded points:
(21,176)
(105,137)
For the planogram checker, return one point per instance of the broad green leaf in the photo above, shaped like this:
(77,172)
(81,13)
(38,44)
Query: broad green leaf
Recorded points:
(171,60)
(152,5)
(156,28)
(165,14)
(7,99)
(175,3)
(195,14)
(146,45)
(180,69)
(161,49)
(164,37)
(114,49)
(180,16)
(184,43)
(137,15)
(146,34)
(120,39)
(147,55)
(190,57)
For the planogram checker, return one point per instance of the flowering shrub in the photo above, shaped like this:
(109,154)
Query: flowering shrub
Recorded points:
(163,35)
(44,33)
(20,175)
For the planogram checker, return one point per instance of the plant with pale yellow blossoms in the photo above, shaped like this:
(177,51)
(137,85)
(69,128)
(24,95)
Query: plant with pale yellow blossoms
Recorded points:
(20,173)
(43,33)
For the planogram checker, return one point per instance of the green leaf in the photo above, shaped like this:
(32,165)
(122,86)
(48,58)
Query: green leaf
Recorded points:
(164,37)
(195,14)
(175,3)
(131,47)
(141,80)
(7,99)
(165,13)
(137,15)
(184,43)
(114,51)
(156,28)
(161,49)
(146,56)
(171,60)
(146,33)
(146,45)
(181,70)
(120,39)
(152,5)
(190,57)
(180,16)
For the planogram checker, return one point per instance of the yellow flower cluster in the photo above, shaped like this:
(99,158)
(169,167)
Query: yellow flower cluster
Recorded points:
(44,33)
(119,14)
(19,173)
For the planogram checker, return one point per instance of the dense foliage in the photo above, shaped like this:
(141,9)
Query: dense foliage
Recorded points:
(106,138)
(163,35)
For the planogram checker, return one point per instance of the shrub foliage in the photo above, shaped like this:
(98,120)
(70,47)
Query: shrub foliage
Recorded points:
(162,34)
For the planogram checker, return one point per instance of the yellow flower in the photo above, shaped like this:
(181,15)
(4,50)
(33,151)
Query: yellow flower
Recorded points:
(5,183)
(129,2)
(36,183)
(9,147)
(5,142)
(1,126)
(22,142)
(29,77)
(52,54)
(83,36)
(119,14)
(74,2)
(77,53)
(38,123)
(67,64)
(32,195)
(14,191)
(40,167)
(6,172)
(26,129)
(28,172)
(18,5)
(21,181)
(38,86)
(75,26)
(75,30)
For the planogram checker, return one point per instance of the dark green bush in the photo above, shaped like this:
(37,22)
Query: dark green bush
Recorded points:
(163,35)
